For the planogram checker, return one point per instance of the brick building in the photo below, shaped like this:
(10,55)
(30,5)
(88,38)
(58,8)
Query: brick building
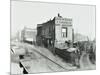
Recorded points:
(55,32)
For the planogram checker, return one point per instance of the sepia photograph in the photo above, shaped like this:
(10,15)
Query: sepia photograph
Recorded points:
(51,37)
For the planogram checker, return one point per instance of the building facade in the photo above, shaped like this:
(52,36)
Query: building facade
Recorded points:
(28,35)
(55,32)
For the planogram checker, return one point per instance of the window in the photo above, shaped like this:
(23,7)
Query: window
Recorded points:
(64,32)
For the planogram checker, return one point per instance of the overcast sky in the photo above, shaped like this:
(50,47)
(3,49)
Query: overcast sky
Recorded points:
(30,14)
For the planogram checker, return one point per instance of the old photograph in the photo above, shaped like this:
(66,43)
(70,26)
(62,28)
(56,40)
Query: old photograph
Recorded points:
(52,37)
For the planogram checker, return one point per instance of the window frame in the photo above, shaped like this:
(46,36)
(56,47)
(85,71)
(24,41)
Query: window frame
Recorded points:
(65,33)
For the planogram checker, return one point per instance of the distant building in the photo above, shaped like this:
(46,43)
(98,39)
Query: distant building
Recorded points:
(55,32)
(28,35)
(79,37)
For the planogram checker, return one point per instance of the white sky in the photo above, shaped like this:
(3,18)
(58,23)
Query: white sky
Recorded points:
(30,14)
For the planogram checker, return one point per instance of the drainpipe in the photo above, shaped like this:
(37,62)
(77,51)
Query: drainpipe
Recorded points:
(72,36)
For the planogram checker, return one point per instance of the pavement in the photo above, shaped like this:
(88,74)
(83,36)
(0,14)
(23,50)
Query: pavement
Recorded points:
(43,60)
(15,69)
(50,55)
(85,63)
